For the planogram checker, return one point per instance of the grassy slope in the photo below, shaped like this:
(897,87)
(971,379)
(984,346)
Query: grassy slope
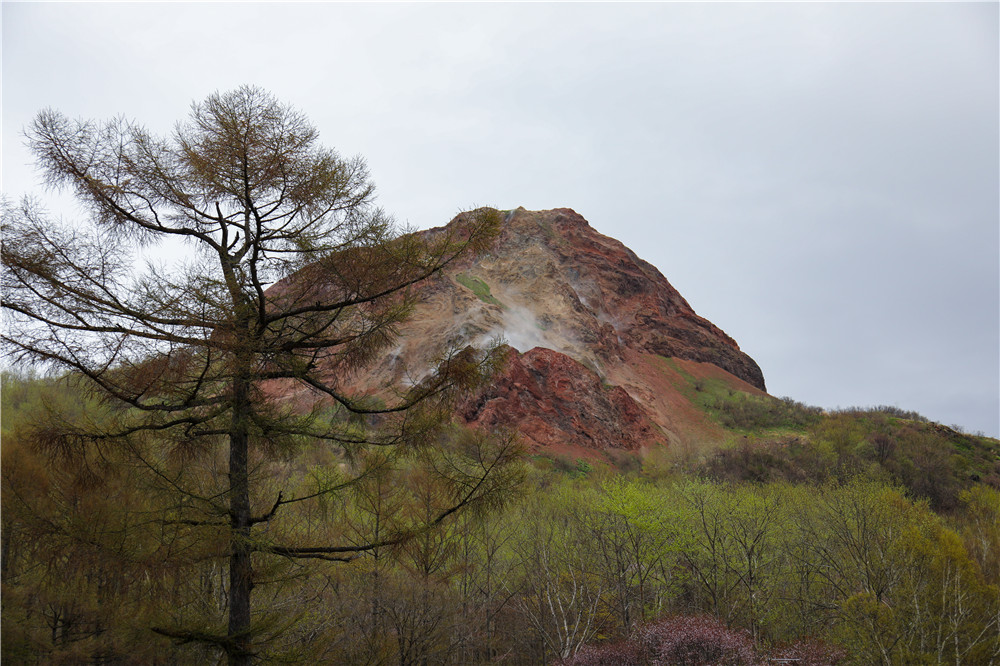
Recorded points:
(770,439)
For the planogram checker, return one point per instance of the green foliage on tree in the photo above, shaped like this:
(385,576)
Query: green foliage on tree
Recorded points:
(858,569)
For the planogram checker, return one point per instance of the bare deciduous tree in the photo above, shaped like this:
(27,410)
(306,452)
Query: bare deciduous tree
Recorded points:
(294,281)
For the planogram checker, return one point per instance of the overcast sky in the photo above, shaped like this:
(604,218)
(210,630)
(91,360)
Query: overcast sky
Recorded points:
(818,180)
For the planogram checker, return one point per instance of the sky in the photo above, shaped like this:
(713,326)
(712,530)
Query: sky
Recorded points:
(820,180)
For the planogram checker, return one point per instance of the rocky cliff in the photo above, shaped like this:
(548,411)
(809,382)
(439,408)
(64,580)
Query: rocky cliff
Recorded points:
(590,328)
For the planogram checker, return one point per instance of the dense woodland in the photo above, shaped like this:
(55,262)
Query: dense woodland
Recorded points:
(190,476)
(858,537)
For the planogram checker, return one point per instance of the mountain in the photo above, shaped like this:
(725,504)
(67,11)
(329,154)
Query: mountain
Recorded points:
(605,360)
(601,350)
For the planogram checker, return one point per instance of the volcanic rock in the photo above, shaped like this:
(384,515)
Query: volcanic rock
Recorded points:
(590,327)
(554,400)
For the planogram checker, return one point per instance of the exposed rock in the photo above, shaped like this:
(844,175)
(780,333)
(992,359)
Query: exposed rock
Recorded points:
(564,286)
(589,325)
(553,400)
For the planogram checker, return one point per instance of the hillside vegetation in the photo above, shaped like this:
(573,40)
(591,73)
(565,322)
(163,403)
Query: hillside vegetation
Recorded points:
(857,537)
(772,439)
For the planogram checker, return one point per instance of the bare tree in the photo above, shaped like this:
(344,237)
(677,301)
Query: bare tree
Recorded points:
(293,283)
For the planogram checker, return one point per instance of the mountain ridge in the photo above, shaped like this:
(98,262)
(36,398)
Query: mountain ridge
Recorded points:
(588,325)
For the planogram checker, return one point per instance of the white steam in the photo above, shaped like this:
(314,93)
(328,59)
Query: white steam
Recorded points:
(523,331)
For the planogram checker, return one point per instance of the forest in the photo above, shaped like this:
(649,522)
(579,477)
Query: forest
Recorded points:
(834,541)
(190,474)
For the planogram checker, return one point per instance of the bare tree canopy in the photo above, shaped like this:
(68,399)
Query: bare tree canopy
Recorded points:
(294,281)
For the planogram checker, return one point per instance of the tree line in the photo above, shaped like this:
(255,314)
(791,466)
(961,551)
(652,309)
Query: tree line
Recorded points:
(575,566)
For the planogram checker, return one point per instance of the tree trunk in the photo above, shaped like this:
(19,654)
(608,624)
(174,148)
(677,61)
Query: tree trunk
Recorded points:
(240,571)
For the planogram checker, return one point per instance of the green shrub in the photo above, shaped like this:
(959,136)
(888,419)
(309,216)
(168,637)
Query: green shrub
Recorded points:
(743,411)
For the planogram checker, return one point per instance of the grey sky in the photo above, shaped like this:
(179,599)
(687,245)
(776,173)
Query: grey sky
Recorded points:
(822,181)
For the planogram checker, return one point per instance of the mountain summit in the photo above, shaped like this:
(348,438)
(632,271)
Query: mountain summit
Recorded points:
(601,346)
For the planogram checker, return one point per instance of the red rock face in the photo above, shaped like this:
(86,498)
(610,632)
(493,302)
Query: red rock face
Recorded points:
(654,316)
(552,400)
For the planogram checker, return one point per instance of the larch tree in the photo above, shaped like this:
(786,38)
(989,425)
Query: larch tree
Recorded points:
(293,282)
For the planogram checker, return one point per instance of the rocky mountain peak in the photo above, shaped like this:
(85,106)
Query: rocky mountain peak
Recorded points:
(557,283)
(590,327)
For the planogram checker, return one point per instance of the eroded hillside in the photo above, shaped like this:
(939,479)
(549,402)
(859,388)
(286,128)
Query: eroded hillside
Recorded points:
(589,326)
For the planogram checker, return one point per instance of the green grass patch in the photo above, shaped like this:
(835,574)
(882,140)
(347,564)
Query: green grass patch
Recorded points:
(477,287)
